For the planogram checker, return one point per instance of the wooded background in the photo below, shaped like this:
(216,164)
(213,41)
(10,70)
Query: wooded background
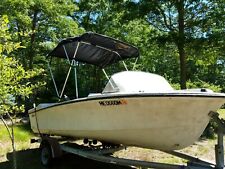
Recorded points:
(182,40)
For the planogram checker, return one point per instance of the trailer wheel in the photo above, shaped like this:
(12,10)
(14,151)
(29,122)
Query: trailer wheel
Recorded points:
(46,155)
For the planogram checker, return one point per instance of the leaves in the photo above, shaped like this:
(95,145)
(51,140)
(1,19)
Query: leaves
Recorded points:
(35,23)
(14,80)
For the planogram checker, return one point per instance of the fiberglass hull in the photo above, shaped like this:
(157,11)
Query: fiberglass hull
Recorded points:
(160,122)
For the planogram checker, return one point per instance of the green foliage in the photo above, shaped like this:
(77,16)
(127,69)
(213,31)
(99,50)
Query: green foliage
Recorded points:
(38,25)
(153,28)
(14,80)
(198,85)
(201,84)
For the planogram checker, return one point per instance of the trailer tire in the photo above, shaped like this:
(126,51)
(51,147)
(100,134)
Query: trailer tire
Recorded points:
(46,155)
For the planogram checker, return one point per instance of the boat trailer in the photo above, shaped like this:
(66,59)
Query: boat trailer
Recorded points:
(51,149)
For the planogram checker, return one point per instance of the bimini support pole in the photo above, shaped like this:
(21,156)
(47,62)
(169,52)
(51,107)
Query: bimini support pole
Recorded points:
(72,64)
(75,77)
(75,70)
(56,89)
(108,78)
(67,76)
(125,66)
(219,147)
(135,63)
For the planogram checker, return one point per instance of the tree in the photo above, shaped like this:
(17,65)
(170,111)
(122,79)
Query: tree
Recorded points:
(173,36)
(45,21)
(116,19)
(183,22)
(39,25)
(14,80)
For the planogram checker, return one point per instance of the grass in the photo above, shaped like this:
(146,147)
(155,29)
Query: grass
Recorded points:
(22,134)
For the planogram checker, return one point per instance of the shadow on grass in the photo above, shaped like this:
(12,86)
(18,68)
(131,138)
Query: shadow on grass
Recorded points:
(24,127)
(30,159)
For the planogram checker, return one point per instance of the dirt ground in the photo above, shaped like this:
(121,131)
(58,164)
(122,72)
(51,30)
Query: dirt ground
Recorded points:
(30,158)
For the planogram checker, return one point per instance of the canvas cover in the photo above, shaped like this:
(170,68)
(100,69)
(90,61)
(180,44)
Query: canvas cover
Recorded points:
(95,49)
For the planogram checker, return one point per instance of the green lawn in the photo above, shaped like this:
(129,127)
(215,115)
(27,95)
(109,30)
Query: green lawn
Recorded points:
(23,134)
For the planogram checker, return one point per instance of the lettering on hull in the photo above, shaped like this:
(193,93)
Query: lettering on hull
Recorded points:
(113,102)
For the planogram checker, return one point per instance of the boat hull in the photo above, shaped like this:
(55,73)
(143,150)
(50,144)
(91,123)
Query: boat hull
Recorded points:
(157,122)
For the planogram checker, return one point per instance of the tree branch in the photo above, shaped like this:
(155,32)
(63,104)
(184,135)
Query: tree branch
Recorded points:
(165,18)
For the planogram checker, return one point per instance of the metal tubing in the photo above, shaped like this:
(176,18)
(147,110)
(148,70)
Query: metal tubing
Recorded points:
(219,148)
(105,74)
(120,161)
(72,63)
(103,48)
(135,63)
(56,89)
(108,78)
(75,53)
(75,77)
(188,157)
(67,76)
(75,70)
(110,51)
(125,66)
(66,54)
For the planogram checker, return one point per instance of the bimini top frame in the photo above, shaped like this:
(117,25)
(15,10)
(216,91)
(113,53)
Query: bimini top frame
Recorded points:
(91,48)
(95,49)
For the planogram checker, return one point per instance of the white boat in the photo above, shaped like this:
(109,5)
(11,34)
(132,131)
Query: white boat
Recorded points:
(134,109)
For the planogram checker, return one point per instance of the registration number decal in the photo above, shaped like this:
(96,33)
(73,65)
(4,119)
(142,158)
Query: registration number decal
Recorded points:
(113,102)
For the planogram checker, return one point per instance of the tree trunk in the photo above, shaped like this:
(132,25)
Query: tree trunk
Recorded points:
(32,40)
(181,43)
(23,54)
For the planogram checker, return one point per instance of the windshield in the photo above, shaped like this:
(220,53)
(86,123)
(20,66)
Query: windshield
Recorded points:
(136,82)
